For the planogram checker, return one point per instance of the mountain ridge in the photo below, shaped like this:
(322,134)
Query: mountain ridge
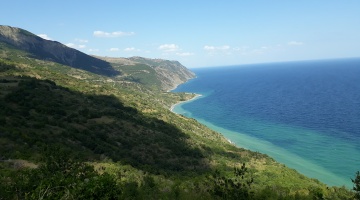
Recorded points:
(169,74)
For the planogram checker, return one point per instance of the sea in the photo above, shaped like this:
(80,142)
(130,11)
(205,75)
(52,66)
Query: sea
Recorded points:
(304,114)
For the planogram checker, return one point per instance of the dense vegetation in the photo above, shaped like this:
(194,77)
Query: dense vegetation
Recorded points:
(71,134)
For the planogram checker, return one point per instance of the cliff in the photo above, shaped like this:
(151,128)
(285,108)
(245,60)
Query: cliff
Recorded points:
(169,73)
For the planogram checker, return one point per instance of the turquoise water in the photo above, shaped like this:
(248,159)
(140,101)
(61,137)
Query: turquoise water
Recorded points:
(304,114)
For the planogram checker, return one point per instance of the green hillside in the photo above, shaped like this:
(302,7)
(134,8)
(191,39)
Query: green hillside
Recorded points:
(67,133)
(153,73)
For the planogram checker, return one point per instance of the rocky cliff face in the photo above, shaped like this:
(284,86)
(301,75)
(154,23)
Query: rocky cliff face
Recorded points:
(170,73)
(54,51)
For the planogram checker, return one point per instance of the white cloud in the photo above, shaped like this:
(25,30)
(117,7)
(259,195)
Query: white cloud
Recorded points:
(44,36)
(72,45)
(112,34)
(81,41)
(241,49)
(214,48)
(209,48)
(295,43)
(93,50)
(225,47)
(114,49)
(169,47)
(131,49)
(81,46)
(185,54)
(248,51)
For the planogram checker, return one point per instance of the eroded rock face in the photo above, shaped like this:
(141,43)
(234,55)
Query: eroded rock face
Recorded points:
(53,51)
(170,73)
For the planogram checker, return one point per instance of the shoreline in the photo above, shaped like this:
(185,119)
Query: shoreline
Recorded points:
(177,85)
(303,165)
(182,102)
(280,155)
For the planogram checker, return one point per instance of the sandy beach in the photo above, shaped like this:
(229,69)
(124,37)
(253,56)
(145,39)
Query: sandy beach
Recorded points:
(181,102)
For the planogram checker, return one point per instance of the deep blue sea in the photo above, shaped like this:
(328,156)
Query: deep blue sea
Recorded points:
(303,114)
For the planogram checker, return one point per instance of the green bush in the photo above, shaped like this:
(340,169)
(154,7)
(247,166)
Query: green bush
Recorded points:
(237,187)
(60,177)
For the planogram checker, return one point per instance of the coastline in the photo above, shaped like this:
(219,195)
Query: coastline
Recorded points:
(177,85)
(291,160)
(182,102)
(313,168)
(241,140)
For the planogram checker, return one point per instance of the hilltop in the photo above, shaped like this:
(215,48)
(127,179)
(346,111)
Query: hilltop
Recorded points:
(79,132)
(168,74)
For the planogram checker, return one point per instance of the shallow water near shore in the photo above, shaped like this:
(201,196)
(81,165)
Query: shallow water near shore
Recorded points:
(303,114)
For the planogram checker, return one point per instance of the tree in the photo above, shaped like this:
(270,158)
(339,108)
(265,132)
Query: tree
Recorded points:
(60,177)
(237,187)
(356,187)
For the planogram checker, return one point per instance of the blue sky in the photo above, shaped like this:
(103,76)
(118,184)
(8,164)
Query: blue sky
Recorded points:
(196,32)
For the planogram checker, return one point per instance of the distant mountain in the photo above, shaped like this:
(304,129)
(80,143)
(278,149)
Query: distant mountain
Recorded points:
(169,74)
(42,49)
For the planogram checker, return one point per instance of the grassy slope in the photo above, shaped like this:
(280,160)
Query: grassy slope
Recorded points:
(123,126)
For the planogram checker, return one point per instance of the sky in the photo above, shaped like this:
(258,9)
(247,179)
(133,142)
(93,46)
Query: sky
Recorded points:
(197,33)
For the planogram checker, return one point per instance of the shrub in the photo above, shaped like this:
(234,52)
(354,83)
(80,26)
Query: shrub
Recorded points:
(60,177)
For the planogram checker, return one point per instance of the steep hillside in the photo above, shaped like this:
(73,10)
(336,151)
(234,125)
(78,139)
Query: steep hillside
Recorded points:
(171,73)
(168,73)
(42,49)
(38,113)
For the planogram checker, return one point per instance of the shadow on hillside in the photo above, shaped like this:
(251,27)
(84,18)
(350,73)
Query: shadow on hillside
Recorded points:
(41,49)
(94,127)
(72,58)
